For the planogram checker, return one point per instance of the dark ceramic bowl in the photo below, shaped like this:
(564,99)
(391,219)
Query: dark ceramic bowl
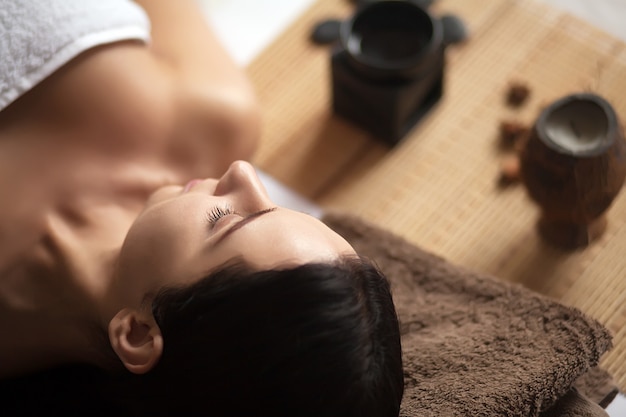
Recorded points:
(392,39)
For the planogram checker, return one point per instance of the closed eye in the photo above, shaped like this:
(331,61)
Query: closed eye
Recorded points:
(214,214)
(241,223)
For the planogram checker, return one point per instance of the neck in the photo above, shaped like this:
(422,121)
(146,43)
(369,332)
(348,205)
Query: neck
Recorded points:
(59,242)
(54,302)
(42,341)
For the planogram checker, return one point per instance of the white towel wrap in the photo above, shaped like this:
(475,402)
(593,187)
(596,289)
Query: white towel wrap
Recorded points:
(37,37)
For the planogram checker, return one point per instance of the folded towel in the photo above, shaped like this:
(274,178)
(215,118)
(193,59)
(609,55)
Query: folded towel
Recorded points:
(477,346)
(38,37)
(574,404)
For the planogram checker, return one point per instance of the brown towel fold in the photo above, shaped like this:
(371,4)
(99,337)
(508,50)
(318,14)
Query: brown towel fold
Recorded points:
(598,386)
(574,404)
(477,346)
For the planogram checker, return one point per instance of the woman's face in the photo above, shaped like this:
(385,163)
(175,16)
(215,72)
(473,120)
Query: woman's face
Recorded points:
(184,232)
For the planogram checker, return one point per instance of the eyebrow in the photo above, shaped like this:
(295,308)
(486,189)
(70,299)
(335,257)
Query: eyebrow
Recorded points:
(241,223)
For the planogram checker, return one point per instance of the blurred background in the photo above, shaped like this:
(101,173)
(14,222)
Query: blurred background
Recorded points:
(247,26)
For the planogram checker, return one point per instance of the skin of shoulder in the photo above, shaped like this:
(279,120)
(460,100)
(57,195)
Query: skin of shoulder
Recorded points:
(180,98)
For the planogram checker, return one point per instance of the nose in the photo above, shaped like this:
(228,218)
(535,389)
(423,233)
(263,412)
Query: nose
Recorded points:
(242,182)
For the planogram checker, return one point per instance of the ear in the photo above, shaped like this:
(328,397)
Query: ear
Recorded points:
(136,339)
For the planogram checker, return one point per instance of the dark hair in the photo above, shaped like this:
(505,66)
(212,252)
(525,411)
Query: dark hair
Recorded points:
(314,340)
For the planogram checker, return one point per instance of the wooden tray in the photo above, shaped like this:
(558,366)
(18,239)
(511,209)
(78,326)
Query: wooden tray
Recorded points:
(439,187)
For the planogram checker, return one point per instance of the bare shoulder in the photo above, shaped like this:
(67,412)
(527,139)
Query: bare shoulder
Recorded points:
(126,97)
(117,85)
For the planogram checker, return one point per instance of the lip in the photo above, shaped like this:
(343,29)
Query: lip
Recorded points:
(191,184)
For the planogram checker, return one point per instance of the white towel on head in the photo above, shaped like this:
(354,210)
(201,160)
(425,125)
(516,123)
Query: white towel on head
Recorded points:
(37,37)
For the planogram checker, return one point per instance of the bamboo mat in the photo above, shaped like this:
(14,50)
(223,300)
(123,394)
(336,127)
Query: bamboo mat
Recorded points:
(438,188)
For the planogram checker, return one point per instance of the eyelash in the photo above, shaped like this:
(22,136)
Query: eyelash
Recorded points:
(217,212)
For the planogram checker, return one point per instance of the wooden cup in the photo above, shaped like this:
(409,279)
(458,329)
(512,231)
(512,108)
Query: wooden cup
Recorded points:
(573,165)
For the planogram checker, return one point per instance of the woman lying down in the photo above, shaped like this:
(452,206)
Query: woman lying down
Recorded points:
(142,264)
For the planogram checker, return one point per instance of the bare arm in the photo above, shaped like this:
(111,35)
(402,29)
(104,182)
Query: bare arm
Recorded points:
(182,37)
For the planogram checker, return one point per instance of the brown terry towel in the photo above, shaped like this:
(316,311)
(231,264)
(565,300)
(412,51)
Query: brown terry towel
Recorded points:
(574,404)
(477,346)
